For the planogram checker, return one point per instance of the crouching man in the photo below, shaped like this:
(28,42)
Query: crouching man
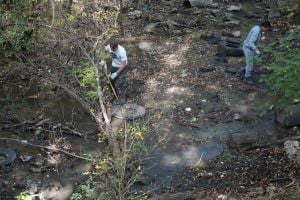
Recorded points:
(118,70)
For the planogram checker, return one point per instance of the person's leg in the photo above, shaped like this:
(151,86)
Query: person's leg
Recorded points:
(114,84)
(121,85)
(249,54)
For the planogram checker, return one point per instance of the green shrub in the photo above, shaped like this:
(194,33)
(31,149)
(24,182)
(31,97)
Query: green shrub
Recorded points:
(285,66)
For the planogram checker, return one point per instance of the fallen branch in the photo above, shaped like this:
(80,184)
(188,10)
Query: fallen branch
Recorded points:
(24,142)
(17,125)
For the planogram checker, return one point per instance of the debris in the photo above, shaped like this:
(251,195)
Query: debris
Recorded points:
(25,158)
(188,109)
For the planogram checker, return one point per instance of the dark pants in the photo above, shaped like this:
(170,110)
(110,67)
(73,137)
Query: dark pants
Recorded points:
(119,82)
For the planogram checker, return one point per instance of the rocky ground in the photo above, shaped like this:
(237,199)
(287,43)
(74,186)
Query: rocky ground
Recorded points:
(203,105)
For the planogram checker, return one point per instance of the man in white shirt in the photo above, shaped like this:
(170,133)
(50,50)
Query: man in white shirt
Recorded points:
(118,70)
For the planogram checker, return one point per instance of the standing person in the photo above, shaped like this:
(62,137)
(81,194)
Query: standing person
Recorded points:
(118,70)
(250,47)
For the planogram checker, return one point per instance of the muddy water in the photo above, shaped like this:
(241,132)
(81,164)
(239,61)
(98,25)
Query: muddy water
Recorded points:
(52,175)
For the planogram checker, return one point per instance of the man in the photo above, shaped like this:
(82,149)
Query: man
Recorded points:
(118,70)
(250,47)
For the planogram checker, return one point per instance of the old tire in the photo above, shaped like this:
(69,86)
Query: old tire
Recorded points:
(230,48)
(9,155)
(128,111)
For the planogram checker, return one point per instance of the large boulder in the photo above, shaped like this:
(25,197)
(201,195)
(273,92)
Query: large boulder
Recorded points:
(290,116)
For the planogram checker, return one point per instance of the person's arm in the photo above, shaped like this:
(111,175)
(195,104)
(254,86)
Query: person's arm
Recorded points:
(123,66)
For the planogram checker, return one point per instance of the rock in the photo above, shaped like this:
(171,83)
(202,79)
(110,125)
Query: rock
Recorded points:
(38,162)
(250,14)
(200,3)
(144,180)
(292,149)
(36,170)
(238,139)
(135,14)
(177,32)
(215,12)
(234,8)
(226,33)
(156,18)
(150,28)
(290,116)
(236,116)
(207,69)
(233,23)
(256,191)
(146,45)
(236,34)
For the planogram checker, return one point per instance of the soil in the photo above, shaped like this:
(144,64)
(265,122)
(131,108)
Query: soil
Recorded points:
(194,101)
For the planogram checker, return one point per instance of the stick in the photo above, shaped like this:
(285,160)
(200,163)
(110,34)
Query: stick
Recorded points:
(17,125)
(110,84)
(24,142)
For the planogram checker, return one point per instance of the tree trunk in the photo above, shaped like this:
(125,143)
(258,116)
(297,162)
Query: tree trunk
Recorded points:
(69,6)
(274,11)
(121,18)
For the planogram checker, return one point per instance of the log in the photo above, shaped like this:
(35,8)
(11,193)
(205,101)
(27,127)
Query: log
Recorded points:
(238,139)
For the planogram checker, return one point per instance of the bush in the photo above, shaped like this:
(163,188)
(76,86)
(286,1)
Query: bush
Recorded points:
(285,61)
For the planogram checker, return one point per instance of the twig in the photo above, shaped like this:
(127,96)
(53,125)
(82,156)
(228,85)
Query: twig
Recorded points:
(24,142)
(42,122)
(17,125)
(291,183)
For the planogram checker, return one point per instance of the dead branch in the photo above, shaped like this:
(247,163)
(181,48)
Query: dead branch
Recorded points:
(24,142)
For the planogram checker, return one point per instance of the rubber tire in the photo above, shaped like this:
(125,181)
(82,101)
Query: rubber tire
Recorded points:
(230,48)
(119,111)
(10,156)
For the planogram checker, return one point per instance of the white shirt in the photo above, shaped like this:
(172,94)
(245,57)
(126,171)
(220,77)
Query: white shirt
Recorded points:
(117,56)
